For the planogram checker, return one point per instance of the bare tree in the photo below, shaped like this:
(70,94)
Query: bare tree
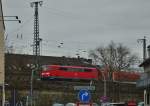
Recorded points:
(114,57)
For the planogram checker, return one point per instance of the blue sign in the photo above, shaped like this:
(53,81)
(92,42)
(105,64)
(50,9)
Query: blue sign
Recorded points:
(84,96)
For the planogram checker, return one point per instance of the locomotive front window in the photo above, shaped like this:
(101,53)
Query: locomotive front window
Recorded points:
(45,68)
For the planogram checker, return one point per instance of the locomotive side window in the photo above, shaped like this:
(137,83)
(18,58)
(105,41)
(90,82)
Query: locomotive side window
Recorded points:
(87,70)
(63,68)
(76,69)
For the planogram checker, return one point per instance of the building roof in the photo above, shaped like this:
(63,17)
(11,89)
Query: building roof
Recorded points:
(145,63)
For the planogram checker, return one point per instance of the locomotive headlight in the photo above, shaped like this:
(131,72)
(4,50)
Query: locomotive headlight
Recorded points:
(43,73)
(46,73)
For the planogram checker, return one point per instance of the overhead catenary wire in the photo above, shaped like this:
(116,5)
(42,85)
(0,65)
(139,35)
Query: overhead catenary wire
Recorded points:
(59,12)
(15,31)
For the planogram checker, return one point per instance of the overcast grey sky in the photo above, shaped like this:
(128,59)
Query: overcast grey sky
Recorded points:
(79,24)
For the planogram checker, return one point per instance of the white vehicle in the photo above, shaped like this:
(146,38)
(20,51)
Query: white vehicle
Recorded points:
(117,104)
(105,104)
(141,104)
(58,104)
(70,104)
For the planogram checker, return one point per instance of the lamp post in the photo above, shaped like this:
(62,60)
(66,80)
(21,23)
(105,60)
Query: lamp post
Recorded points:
(33,68)
(31,90)
(3,84)
(11,16)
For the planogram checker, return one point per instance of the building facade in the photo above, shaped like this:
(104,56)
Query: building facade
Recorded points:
(2,72)
(1,45)
(144,82)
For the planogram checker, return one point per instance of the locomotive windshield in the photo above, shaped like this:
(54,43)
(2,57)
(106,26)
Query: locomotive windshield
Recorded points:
(49,68)
(45,68)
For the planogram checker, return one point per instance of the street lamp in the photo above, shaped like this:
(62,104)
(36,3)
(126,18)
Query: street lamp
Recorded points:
(11,19)
(31,90)
(32,67)
(3,82)
(11,16)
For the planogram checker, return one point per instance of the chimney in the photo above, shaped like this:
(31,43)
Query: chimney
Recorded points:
(148,49)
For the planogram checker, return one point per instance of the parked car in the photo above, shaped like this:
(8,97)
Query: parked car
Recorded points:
(58,104)
(141,104)
(70,104)
(118,104)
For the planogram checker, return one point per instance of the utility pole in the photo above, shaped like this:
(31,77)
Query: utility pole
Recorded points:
(36,45)
(144,46)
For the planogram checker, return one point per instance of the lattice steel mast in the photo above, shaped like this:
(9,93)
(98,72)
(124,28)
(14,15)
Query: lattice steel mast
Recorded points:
(36,41)
(36,45)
